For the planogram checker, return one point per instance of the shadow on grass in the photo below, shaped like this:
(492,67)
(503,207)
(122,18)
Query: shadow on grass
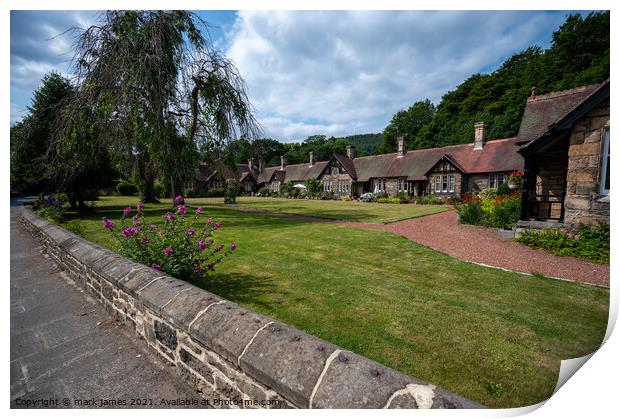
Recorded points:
(243,289)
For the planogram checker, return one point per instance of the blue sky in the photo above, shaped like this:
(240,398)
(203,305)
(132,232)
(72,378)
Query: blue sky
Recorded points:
(332,72)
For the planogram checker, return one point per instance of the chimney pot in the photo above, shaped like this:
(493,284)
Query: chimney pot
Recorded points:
(282,162)
(350,151)
(402,146)
(311,158)
(479,135)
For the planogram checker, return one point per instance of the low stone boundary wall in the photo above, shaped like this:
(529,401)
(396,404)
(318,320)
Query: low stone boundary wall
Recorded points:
(216,345)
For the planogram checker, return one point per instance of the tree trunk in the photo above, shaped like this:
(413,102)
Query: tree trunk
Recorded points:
(149,189)
(173,191)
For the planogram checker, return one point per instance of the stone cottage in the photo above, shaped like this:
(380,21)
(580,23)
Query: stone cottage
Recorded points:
(566,144)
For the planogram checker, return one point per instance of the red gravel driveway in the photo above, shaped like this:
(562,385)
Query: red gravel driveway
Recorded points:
(482,245)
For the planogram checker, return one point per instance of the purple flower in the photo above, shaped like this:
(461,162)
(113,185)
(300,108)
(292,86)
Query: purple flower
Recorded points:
(217,225)
(211,265)
(168,250)
(129,231)
(127,211)
(233,246)
(179,200)
(202,244)
(135,219)
(156,266)
(169,216)
(198,211)
(107,223)
(209,221)
(191,231)
(140,207)
(182,209)
(144,240)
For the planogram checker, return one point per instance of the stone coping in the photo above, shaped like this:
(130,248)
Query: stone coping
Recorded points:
(236,352)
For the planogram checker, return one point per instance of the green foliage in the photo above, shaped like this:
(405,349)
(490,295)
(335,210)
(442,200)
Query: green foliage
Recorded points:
(579,55)
(408,123)
(264,192)
(231,191)
(126,188)
(216,193)
(590,243)
(388,200)
(430,200)
(74,226)
(51,207)
(470,211)
(313,187)
(162,189)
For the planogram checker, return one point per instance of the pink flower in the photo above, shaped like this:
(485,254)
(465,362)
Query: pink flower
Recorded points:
(202,244)
(127,211)
(233,246)
(209,221)
(135,219)
(152,226)
(182,209)
(129,231)
(168,250)
(140,207)
(198,211)
(217,225)
(179,200)
(144,240)
(107,223)
(191,231)
(169,216)
(156,266)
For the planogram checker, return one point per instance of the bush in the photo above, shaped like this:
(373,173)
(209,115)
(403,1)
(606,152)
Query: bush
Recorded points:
(264,192)
(404,197)
(51,207)
(346,198)
(231,191)
(470,210)
(430,200)
(162,190)
(388,200)
(126,188)
(490,209)
(177,248)
(215,193)
(590,243)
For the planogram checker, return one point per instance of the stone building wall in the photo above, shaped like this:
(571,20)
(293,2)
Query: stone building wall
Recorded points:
(334,177)
(250,360)
(583,202)
(458,185)
(477,182)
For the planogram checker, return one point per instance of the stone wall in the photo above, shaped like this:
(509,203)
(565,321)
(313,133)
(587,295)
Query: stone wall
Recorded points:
(478,182)
(583,202)
(249,359)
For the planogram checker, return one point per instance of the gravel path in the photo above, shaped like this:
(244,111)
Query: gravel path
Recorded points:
(482,245)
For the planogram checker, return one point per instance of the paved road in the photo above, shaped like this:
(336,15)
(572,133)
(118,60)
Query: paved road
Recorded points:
(65,346)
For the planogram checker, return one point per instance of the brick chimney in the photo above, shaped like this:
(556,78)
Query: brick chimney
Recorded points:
(350,151)
(282,162)
(311,158)
(402,146)
(479,132)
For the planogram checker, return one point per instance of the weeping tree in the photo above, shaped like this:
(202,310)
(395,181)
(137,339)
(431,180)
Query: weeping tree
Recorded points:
(157,91)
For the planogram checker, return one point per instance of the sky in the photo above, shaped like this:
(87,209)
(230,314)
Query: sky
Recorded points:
(316,72)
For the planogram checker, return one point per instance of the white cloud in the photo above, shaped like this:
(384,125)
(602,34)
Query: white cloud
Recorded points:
(348,72)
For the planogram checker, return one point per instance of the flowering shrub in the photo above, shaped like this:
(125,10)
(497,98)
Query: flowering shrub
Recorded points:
(490,209)
(177,247)
(51,207)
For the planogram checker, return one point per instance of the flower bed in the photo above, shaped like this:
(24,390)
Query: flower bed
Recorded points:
(490,209)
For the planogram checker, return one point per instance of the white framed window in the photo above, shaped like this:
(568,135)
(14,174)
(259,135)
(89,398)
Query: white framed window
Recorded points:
(444,183)
(437,184)
(451,183)
(501,178)
(492,180)
(496,179)
(327,186)
(604,189)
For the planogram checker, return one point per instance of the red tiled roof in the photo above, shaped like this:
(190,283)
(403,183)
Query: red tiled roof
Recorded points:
(543,111)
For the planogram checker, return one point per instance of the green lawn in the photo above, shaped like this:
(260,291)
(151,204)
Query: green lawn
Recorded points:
(338,210)
(492,336)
